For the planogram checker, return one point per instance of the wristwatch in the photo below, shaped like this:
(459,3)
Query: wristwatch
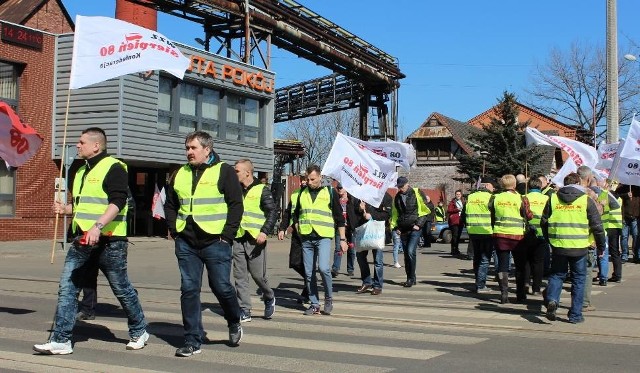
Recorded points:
(98,225)
(343,239)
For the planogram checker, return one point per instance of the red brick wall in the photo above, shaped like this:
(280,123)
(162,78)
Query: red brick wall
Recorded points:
(35,179)
(50,18)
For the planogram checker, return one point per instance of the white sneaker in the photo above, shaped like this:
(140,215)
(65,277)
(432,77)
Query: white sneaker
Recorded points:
(138,343)
(397,265)
(54,348)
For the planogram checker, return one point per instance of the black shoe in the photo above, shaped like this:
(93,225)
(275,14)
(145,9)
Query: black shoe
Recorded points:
(602,282)
(187,351)
(350,273)
(408,284)
(334,274)
(84,316)
(551,310)
(235,334)
(615,279)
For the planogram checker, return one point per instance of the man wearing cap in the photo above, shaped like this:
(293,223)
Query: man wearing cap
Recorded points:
(408,215)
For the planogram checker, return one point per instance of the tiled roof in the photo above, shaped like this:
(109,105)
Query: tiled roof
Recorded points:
(20,11)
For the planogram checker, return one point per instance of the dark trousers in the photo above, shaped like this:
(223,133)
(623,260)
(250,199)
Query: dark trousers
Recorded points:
(535,255)
(426,233)
(522,268)
(456,231)
(89,289)
(613,238)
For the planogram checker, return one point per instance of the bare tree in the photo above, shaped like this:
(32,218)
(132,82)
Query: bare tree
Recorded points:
(318,133)
(571,87)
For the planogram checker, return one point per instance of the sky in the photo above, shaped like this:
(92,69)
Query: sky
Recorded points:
(458,56)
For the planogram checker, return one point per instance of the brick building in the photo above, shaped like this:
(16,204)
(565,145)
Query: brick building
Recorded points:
(440,140)
(27,56)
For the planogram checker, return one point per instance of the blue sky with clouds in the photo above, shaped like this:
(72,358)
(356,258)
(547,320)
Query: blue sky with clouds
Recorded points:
(459,56)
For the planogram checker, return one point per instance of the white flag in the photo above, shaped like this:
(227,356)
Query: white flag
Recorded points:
(365,175)
(568,167)
(580,153)
(157,206)
(631,147)
(606,155)
(105,48)
(402,153)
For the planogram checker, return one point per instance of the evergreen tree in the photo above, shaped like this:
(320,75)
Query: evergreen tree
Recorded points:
(503,143)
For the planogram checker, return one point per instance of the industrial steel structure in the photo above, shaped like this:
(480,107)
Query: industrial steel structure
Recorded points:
(365,76)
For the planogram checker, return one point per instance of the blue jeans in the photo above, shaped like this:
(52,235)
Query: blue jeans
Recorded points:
(397,245)
(217,257)
(603,264)
(337,257)
(317,251)
(578,265)
(410,243)
(378,268)
(482,251)
(629,227)
(112,260)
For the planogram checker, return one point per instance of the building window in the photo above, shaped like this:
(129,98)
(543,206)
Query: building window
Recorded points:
(9,84)
(434,149)
(7,190)
(185,107)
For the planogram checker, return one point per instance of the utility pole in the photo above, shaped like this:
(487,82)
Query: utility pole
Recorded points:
(612,72)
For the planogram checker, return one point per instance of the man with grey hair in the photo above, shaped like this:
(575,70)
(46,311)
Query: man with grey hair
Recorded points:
(249,246)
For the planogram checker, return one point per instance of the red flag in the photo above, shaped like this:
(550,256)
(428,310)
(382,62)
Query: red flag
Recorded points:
(18,141)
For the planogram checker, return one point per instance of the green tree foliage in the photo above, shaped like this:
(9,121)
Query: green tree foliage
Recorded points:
(503,144)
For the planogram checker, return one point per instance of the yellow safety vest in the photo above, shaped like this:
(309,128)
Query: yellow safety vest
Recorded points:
(91,201)
(507,214)
(568,223)
(423,209)
(294,203)
(206,205)
(478,216)
(537,202)
(253,217)
(316,215)
(612,219)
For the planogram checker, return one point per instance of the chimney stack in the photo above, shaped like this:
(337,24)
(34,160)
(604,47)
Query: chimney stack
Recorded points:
(137,14)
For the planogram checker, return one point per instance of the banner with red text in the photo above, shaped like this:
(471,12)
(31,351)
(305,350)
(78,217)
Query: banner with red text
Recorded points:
(402,153)
(631,149)
(364,174)
(106,48)
(157,204)
(580,153)
(18,140)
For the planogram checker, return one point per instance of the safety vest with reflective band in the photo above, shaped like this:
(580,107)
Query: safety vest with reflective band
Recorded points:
(253,217)
(316,215)
(91,200)
(294,203)
(423,209)
(537,202)
(546,189)
(439,213)
(612,218)
(568,223)
(478,216)
(206,205)
(507,209)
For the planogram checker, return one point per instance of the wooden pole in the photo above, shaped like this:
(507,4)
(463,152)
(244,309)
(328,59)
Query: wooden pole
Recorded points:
(62,160)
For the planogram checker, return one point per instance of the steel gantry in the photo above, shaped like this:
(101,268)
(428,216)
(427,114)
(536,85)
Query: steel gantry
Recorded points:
(364,76)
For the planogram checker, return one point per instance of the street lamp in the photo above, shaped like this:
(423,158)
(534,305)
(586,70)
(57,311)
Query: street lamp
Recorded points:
(484,155)
(630,57)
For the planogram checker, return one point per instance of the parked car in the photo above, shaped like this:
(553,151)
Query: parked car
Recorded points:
(441,231)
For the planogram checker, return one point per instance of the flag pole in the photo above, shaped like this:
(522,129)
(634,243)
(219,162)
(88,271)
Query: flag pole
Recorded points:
(62,160)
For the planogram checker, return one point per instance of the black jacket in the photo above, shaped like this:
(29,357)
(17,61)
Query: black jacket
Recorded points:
(568,194)
(267,205)
(355,214)
(408,211)
(229,186)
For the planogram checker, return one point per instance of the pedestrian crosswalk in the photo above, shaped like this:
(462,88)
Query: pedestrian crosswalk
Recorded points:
(400,330)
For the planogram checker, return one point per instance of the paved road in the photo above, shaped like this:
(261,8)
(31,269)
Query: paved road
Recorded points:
(438,325)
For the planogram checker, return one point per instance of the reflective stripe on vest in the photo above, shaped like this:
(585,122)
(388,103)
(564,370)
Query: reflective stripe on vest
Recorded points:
(478,216)
(253,217)
(316,215)
(537,202)
(612,219)
(91,202)
(568,223)
(206,205)
(507,214)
